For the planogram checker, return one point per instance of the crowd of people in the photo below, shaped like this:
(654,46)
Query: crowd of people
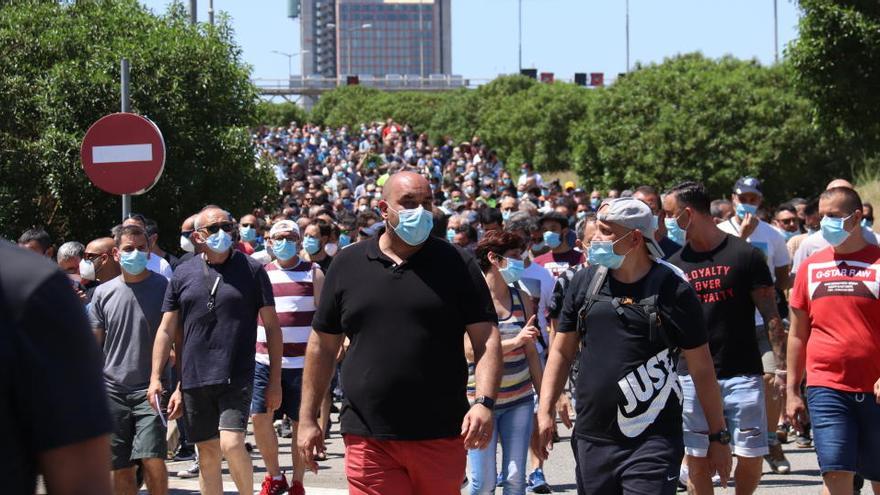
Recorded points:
(454,306)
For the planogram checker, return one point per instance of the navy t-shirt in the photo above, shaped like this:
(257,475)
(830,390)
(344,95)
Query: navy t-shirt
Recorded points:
(219,348)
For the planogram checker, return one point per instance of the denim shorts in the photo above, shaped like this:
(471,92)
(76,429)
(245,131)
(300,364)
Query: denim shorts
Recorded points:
(846,431)
(291,391)
(744,412)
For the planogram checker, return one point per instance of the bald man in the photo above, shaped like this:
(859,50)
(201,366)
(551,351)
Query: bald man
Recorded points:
(816,242)
(215,300)
(98,265)
(410,300)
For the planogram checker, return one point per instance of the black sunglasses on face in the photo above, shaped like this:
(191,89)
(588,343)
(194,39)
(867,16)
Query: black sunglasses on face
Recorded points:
(213,229)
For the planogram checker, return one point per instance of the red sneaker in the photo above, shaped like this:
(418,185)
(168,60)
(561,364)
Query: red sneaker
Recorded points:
(297,488)
(274,487)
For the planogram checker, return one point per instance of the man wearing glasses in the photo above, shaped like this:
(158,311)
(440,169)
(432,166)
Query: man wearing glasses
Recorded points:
(215,298)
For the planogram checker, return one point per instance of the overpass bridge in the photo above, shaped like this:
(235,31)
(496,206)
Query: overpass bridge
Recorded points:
(314,86)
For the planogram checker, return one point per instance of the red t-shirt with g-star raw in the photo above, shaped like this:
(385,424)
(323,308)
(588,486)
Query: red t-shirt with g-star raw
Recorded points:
(839,292)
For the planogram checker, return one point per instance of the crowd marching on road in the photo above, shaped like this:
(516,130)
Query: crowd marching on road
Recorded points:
(455,308)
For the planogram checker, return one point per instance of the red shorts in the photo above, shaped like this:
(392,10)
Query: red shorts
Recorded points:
(402,467)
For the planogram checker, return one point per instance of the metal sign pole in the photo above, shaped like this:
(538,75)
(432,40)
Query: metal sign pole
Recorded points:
(126,107)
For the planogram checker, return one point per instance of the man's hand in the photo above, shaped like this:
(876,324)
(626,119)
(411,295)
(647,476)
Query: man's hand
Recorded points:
(175,405)
(476,428)
(748,225)
(564,410)
(542,438)
(273,396)
(154,389)
(310,442)
(877,391)
(795,411)
(778,385)
(720,461)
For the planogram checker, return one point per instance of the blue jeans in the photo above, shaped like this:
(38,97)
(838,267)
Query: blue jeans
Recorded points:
(514,424)
(846,430)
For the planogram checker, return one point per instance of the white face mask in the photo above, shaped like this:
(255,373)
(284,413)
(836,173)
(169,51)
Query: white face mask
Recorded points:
(331,248)
(87,270)
(186,244)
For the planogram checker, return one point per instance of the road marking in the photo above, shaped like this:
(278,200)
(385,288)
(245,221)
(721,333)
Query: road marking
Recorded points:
(122,153)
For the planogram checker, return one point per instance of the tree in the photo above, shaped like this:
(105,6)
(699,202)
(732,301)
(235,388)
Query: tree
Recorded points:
(280,114)
(714,121)
(837,66)
(60,72)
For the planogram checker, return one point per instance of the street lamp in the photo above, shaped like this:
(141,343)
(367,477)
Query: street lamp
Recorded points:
(290,60)
(348,40)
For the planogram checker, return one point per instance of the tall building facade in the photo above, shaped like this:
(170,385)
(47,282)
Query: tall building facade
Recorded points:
(376,37)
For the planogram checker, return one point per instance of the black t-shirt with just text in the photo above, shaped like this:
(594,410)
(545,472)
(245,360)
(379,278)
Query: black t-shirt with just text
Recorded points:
(627,385)
(724,279)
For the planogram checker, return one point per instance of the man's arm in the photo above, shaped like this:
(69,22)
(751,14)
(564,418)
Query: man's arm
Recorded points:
(486,345)
(165,336)
(275,343)
(783,279)
(78,468)
(319,363)
(798,333)
(764,299)
(561,354)
(702,371)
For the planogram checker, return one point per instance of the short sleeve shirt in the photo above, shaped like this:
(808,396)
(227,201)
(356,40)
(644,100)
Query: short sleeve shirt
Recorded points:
(405,372)
(724,279)
(556,264)
(841,295)
(627,385)
(218,346)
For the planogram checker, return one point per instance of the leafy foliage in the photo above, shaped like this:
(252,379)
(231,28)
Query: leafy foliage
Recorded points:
(60,72)
(280,114)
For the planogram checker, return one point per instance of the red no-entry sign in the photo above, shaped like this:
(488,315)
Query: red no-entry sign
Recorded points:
(123,153)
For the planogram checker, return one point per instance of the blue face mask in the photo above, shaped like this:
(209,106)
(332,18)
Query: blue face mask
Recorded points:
(595,202)
(248,234)
(219,242)
(284,249)
(538,246)
(413,225)
(505,215)
(674,232)
(788,235)
(344,240)
(867,224)
(450,235)
(742,209)
(552,239)
(602,253)
(311,244)
(580,215)
(133,262)
(833,230)
(513,271)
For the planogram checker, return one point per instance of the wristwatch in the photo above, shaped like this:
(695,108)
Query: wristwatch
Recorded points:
(722,437)
(486,402)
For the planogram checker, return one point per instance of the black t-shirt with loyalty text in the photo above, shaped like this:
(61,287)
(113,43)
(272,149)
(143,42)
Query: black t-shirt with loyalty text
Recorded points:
(627,385)
(724,279)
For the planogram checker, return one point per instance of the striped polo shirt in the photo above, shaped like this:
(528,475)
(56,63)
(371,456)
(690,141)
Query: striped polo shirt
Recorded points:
(295,304)
(516,380)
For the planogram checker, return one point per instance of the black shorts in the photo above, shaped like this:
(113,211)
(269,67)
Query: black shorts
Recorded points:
(212,408)
(650,465)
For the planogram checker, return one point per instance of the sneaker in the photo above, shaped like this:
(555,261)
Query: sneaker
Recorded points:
(184,454)
(782,433)
(803,441)
(777,461)
(191,472)
(285,431)
(297,488)
(272,486)
(537,483)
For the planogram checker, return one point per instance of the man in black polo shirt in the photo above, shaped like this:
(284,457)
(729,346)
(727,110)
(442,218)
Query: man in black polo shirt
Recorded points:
(215,298)
(406,301)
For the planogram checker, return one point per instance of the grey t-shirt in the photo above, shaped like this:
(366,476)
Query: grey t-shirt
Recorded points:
(130,316)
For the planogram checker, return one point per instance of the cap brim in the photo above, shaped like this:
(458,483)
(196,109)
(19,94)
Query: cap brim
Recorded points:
(747,190)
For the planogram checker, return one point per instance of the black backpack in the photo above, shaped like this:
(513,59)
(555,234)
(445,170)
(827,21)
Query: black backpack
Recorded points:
(647,307)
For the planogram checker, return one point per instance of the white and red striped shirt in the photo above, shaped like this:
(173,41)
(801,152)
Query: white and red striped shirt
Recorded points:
(294,293)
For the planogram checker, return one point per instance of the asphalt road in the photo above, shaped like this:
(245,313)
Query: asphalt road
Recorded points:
(330,480)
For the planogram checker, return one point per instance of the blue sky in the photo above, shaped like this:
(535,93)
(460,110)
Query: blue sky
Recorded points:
(559,36)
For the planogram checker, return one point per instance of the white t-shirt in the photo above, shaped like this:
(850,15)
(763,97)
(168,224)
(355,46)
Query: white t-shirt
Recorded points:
(524,177)
(815,242)
(770,242)
(537,282)
(158,264)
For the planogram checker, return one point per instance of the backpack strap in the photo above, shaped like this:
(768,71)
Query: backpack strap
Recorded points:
(591,297)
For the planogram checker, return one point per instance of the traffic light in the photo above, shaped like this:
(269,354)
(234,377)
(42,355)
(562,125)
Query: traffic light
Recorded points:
(533,73)
(597,78)
(547,77)
(352,80)
(580,78)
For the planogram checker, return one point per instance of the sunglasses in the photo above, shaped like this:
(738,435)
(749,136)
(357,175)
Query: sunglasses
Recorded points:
(213,229)
(92,256)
